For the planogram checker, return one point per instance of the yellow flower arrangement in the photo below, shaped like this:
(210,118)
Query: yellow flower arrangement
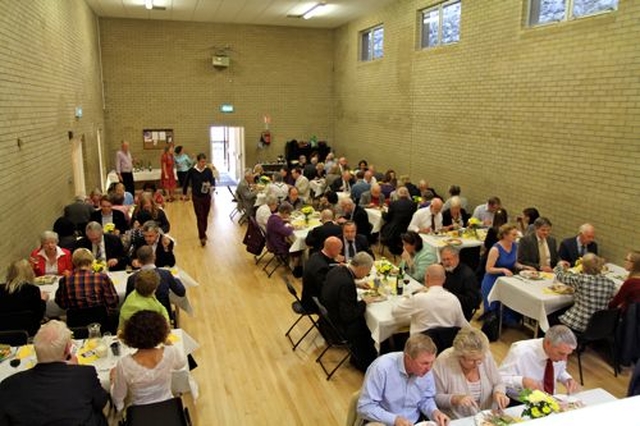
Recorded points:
(109,228)
(474,223)
(384,267)
(265,180)
(99,266)
(307,211)
(538,404)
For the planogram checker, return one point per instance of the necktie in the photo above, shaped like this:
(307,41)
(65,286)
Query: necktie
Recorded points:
(352,250)
(544,253)
(98,252)
(346,186)
(583,250)
(433,223)
(549,377)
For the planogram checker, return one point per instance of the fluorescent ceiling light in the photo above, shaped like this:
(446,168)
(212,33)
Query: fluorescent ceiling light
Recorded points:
(313,11)
(148,4)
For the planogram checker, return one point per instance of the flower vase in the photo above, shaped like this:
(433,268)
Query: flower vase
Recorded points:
(306,219)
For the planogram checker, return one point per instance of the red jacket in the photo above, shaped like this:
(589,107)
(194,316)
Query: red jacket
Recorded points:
(64,262)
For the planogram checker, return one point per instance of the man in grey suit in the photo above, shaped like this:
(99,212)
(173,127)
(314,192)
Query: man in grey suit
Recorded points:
(539,249)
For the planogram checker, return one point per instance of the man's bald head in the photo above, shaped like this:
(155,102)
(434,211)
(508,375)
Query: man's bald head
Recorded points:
(332,247)
(435,275)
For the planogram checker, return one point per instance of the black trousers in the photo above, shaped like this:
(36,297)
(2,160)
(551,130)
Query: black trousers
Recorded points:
(201,207)
(127,180)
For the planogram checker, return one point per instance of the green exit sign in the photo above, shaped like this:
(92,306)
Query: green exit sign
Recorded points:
(226,108)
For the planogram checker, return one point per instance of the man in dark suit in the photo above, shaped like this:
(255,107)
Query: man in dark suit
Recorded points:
(539,249)
(56,391)
(397,220)
(355,213)
(460,281)
(168,283)
(573,248)
(107,247)
(317,236)
(344,184)
(352,242)
(161,244)
(339,296)
(316,269)
(107,214)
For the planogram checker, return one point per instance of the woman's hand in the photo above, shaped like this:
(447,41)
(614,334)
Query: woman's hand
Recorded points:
(464,401)
(501,400)
(507,272)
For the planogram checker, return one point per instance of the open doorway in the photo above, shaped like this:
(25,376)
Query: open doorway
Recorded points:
(227,152)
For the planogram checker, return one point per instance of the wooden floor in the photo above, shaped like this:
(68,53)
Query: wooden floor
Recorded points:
(248,374)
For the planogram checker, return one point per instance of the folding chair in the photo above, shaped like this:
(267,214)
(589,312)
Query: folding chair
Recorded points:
(602,326)
(237,208)
(22,320)
(334,338)
(302,313)
(255,240)
(442,336)
(14,337)
(166,413)
(85,316)
(281,259)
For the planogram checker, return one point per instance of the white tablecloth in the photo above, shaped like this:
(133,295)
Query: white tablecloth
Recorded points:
(317,187)
(439,241)
(181,382)
(375,219)
(119,279)
(598,402)
(141,176)
(299,235)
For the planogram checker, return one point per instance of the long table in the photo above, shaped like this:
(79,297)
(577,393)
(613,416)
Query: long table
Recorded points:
(439,241)
(119,279)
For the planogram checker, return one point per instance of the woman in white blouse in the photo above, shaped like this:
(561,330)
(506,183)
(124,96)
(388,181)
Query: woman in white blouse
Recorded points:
(144,377)
(467,378)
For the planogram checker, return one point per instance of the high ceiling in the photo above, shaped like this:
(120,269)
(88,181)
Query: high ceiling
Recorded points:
(258,12)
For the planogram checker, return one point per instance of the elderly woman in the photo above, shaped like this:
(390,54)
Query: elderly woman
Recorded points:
(49,258)
(20,294)
(416,256)
(593,291)
(467,378)
(630,291)
(456,216)
(149,210)
(144,377)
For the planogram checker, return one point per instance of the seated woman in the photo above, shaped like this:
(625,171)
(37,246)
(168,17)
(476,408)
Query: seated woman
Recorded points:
(593,291)
(147,209)
(20,294)
(143,298)
(144,377)
(630,291)
(526,219)
(416,256)
(456,216)
(49,258)
(500,217)
(467,378)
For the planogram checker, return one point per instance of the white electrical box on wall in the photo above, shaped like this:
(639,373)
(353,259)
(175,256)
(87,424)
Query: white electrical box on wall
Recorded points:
(221,61)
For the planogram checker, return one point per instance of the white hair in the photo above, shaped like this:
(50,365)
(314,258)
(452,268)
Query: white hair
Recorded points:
(51,341)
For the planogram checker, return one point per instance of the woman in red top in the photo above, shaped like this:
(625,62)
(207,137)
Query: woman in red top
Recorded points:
(49,258)
(168,177)
(630,291)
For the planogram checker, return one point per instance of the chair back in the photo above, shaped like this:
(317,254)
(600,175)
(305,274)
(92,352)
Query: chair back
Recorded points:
(254,238)
(233,195)
(290,287)
(442,336)
(353,419)
(22,320)
(328,329)
(14,337)
(85,316)
(166,413)
(602,325)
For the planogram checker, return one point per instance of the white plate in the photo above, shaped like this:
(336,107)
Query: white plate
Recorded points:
(530,275)
(426,423)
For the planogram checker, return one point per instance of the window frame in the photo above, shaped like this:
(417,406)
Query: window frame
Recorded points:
(368,52)
(440,9)
(568,13)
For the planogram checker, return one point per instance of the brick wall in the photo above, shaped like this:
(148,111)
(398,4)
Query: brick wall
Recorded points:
(546,117)
(158,74)
(49,64)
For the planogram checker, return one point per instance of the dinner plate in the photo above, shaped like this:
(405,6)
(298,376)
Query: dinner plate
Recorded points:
(561,289)
(484,418)
(530,275)
(454,241)
(426,423)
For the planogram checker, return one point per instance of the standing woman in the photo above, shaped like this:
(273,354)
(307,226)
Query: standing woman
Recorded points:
(202,182)
(183,164)
(167,177)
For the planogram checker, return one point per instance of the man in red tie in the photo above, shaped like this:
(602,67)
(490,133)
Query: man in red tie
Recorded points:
(540,363)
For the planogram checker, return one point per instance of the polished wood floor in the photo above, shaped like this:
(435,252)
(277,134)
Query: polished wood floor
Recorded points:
(248,374)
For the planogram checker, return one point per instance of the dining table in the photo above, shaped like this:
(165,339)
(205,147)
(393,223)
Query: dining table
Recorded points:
(461,240)
(87,354)
(119,279)
(301,228)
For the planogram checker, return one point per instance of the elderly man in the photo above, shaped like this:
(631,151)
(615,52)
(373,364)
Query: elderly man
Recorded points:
(168,283)
(352,242)
(265,211)
(339,296)
(316,270)
(120,190)
(106,247)
(355,213)
(343,184)
(427,192)
(343,164)
(56,391)
(107,214)
(374,198)
(161,245)
(484,212)
(573,248)
(246,195)
(124,167)
(399,387)
(460,281)
(427,220)
(301,184)
(317,236)
(397,220)
(361,186)
(540,363)
(433,307)
(538,249)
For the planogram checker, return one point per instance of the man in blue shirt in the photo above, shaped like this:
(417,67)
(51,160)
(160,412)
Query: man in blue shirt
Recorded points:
(399,386)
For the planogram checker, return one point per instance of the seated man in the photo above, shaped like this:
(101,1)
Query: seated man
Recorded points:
(168,283)
(397,220)
(573,248)
(142,298)
(538,249)
(355,213)
(120,190)
(161,245)
(79,213)
(344,184)
(57,391)
(432,307)
(294,199)
(106,247)
(316,270)
(301,184)
(317,236)
(374,198)
(427,220)
(484,212)
(540,363)
(361,186)
(352,242)
(399,388)
(265,211)
(107,214)
(460,281)
(339,296)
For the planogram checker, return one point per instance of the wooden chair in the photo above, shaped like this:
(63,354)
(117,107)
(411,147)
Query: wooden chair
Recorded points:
(333,337)
(299,309)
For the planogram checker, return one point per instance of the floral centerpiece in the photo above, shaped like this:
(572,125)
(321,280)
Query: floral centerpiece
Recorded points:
(384,267)
(307,211)
(109,228)
(538,404)
(265,180)
(473,225)
(99,266)
(417,199)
